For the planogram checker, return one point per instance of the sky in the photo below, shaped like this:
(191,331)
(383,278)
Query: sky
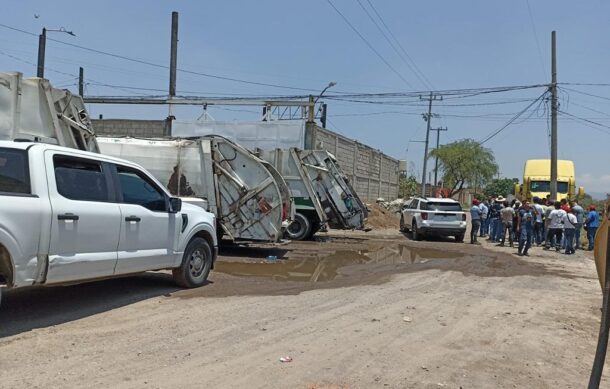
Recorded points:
(302,46)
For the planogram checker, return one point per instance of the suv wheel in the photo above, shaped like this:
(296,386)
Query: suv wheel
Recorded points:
(459,238)
(402,223)
(414,232)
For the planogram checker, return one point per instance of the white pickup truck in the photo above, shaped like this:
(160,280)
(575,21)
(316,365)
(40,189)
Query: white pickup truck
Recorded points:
(69,216)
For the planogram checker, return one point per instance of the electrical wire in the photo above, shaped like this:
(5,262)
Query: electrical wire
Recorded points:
(400,45)
(587,121)
(400,55)
(495,133)
(369,45)
(529,10)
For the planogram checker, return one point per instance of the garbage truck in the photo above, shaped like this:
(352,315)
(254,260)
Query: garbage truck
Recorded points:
(321,192)
(31,109)
(249,197)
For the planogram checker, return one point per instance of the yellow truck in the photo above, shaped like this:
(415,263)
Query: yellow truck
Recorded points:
(537,180)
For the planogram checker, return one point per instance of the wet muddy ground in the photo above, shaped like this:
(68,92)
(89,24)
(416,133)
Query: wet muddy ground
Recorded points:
(351,309)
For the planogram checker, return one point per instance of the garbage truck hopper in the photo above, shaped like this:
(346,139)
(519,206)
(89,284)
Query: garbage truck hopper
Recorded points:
(248,201)
(32,109)
(321,192)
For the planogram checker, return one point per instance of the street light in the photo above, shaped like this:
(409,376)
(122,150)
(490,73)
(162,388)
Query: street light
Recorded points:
(330,85)
(42,43)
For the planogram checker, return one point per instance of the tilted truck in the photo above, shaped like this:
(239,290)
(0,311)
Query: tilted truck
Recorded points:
(70,216)
(248,196)
(321,192)
(31,109)
(537,180)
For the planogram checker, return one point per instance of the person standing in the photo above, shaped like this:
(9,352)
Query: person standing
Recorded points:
(506,215)
(569,228)
(494,215)
(484,229)
(526,229)
(579,212)
(592,226)
(556,217)
(475,215)
(538,223)
(548,239)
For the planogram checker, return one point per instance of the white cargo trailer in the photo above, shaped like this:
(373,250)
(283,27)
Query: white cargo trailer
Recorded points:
(31,109)
(248,196)
(321,192)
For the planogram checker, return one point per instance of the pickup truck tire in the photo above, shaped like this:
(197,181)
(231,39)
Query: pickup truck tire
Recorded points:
(300,228)
(196,264)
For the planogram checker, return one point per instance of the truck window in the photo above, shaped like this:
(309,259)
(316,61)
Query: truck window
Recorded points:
(14,171)
(545,186)
(442,207)
(138,189)
(80,179)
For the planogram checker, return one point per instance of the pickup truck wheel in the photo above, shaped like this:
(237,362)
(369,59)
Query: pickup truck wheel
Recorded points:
(196,264)
(300,228)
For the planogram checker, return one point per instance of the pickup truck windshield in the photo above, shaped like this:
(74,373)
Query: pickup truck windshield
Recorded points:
(442,207)
(545,186)
(14,171)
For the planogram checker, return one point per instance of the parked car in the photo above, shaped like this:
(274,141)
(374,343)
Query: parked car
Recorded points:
(68,216)
(433,216)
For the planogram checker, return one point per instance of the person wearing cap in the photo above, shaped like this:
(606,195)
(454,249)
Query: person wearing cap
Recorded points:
(475,214)
(592,225)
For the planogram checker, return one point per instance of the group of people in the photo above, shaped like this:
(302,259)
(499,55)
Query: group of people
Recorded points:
(554,224)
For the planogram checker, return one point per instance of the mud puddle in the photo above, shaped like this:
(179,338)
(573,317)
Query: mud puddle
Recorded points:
(324,265)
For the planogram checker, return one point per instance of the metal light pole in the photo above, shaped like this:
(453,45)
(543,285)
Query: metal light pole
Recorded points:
(42,43)
(311,113)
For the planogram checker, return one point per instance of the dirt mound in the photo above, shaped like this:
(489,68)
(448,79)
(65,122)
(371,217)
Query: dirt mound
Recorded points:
(380,217)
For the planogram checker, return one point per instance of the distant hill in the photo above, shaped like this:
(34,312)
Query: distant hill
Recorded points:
(598,195)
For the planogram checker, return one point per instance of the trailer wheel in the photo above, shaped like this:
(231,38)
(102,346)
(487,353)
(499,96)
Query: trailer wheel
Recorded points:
(300,228)
(196,264)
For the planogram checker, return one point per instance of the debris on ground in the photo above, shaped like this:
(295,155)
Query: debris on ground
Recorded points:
(286,359)
(381,218)
(407,319)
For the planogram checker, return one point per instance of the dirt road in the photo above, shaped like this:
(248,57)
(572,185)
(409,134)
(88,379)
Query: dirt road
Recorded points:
(352,310)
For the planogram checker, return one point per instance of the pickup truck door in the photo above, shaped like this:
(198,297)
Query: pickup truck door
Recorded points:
(85,218)
(149,232)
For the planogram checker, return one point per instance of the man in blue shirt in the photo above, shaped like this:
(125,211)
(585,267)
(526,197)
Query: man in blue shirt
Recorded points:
(592,225)
(475,214)
(526,228)
(484,229)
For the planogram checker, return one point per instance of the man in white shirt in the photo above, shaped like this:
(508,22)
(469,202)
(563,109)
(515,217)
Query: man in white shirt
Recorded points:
(557,217)
(569,229)
(538,224)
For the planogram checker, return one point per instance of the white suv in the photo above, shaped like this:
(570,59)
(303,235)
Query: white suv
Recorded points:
(433,216)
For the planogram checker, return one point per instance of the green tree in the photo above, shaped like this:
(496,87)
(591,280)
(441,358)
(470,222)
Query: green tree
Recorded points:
(407,186)
(465,163)
(500,187)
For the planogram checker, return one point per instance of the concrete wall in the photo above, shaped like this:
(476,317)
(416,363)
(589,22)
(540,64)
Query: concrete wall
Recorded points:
(128,127)
(372,173)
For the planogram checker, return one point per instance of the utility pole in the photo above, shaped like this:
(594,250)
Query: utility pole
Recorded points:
(173,63)
(323,115)
(553,117)
(81,82)
(42,42)
(438,136)
(428,119)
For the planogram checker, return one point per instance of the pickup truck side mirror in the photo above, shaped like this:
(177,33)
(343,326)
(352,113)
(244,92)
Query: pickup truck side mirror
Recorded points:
(175,204)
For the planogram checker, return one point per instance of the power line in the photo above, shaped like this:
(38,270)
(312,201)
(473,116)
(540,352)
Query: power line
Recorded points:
(529,10)
(400,45)
(148,63)
(587,121)
(369,45)
(495,133)
(400,55)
